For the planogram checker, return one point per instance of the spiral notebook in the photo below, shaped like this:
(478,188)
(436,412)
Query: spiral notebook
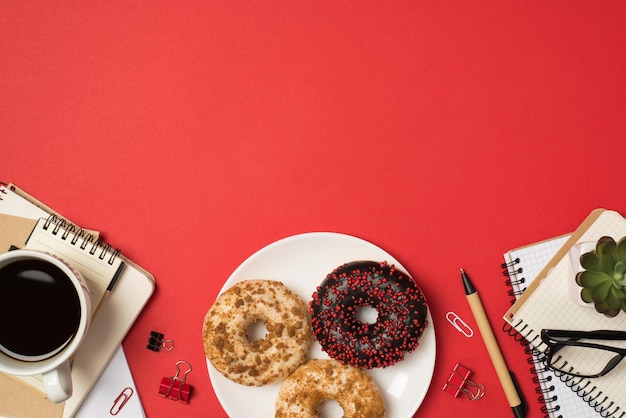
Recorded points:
(522,265)
(121,289)
(546,303)
(98,262)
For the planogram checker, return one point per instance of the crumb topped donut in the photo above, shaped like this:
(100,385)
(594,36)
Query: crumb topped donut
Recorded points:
(321,380)
(266,360)
(400,304)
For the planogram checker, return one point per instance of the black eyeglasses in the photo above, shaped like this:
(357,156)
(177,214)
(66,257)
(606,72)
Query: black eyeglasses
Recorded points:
(577,354)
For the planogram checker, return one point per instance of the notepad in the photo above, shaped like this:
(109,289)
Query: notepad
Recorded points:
(522,265)
(98,263)
(546,303)
(115,393)
(133,288)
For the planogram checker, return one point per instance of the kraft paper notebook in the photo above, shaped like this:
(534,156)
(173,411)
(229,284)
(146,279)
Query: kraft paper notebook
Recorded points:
(558,400)
(121,289)
(547,304)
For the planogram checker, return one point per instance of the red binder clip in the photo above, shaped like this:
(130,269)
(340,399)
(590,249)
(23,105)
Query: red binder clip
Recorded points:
(459,382)
(175,387)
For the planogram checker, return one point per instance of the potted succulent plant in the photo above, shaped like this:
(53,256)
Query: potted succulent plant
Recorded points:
(603,276)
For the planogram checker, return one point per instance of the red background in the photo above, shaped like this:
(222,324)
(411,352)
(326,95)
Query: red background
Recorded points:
(195,133)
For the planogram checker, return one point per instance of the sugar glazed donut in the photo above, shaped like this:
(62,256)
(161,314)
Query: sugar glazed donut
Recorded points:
(400,304)
(321,380)
(266,360)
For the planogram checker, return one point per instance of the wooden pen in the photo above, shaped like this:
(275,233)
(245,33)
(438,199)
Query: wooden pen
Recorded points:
(506,378)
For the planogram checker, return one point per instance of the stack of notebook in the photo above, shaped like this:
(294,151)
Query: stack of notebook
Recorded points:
(539,276)
(119,290)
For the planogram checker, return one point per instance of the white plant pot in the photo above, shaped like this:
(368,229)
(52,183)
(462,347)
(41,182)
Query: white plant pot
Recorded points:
(574,254)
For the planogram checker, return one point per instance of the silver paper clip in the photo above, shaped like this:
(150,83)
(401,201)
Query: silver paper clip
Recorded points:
(459,324)
(121,400)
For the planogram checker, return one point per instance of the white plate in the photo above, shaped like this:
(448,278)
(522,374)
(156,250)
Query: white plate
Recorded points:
(301,262)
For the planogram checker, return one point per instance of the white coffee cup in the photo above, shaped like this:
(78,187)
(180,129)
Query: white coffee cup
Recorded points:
(45,310)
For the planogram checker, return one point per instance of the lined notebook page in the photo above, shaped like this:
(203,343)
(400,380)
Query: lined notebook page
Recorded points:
(560,399)
(97,262)
(550,306)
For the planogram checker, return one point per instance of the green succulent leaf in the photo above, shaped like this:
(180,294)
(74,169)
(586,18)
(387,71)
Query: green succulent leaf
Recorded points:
(603,292)
(613,300)
(590,261)
(607,264)
(586,296)
(603,308)
(605,246)
(620,251)
(618,273)
(593,278)
(578,277)
(619,293)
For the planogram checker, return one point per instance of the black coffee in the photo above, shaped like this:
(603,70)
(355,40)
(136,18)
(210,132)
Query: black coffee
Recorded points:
(39,308)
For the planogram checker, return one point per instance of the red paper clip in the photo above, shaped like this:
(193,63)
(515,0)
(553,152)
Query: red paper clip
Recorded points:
(121,400)
(175,387)
(458,383)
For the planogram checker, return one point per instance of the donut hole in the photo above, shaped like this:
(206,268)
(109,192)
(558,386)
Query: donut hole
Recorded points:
(330,409)
(256,331)
(367,314)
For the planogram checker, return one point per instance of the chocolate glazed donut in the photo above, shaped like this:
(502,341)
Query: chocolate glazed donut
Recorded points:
(400,304)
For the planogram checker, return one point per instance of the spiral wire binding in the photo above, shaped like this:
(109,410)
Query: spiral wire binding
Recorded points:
(547,401)
(511,271)
(80,239)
